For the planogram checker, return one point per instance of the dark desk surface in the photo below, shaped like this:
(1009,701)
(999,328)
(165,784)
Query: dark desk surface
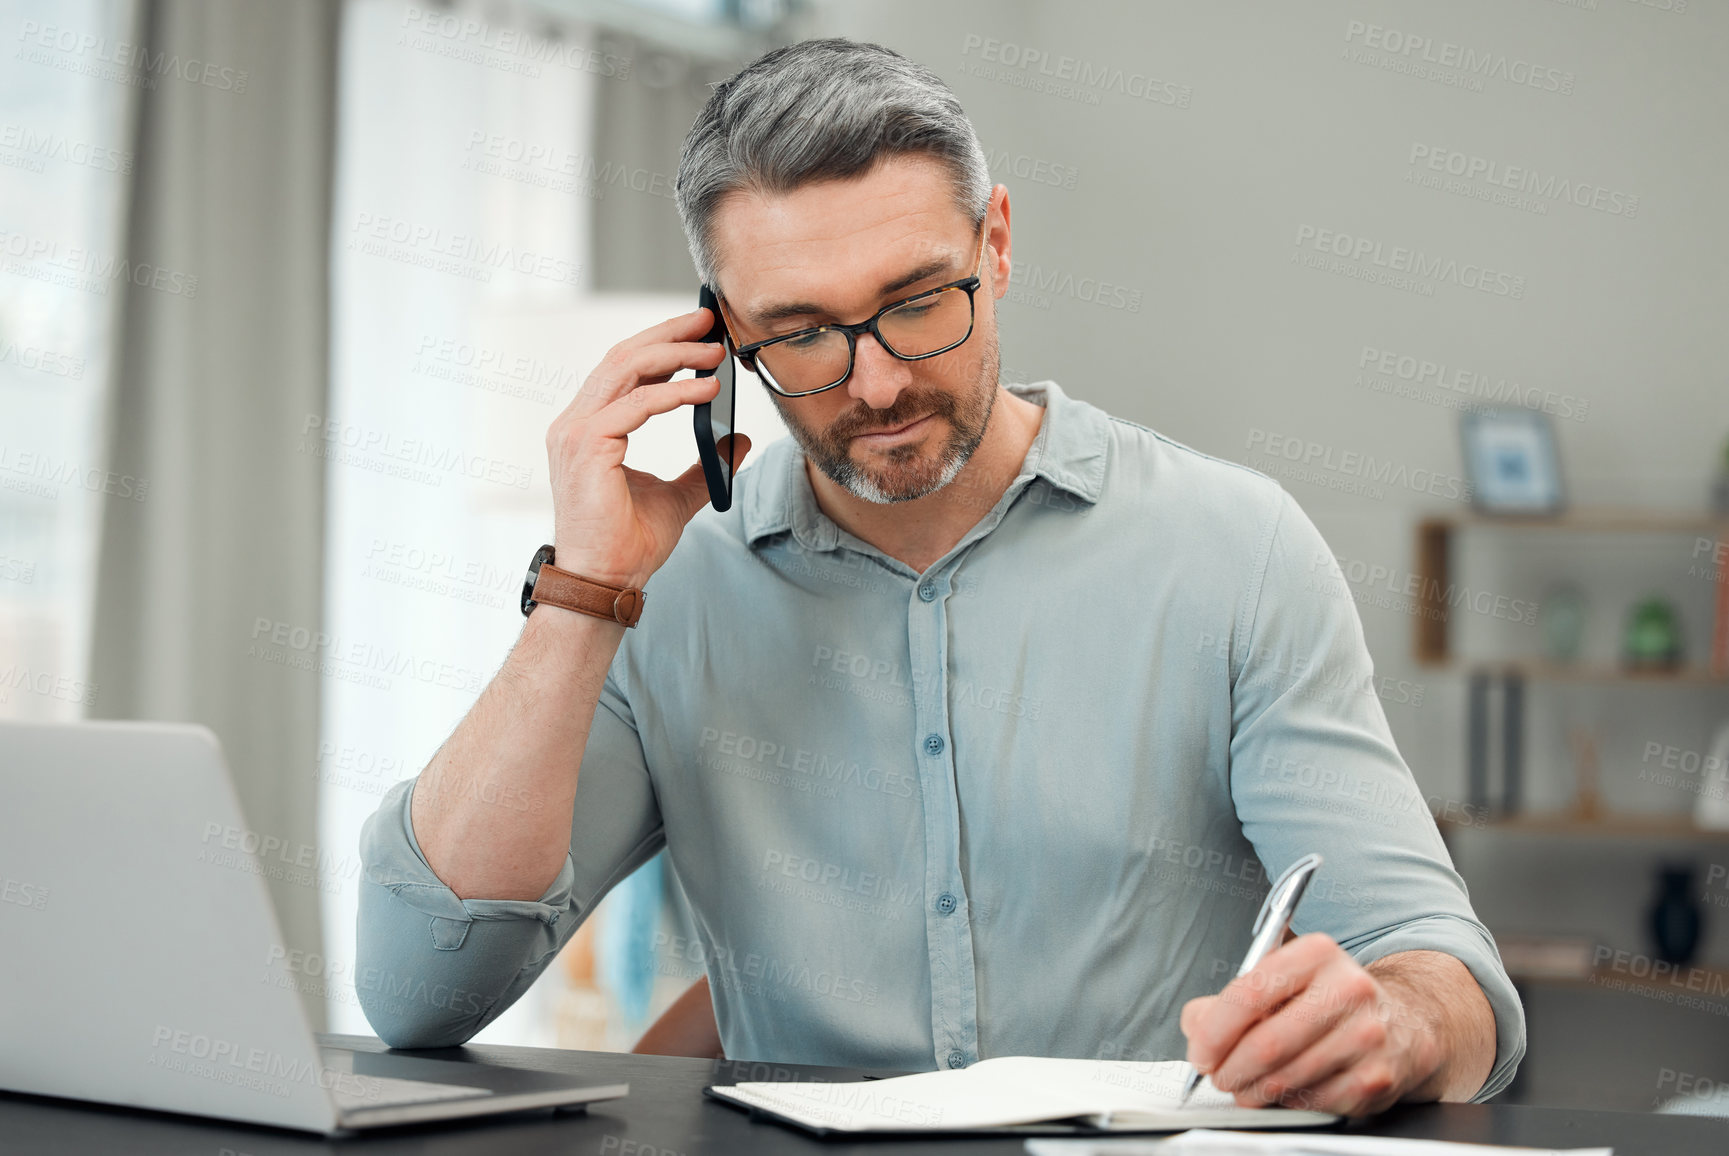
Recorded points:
(666,1114)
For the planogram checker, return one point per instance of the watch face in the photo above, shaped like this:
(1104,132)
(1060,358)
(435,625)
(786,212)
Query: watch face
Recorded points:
(541,557)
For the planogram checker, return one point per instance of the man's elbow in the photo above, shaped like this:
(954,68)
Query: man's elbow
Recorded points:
(404,1024)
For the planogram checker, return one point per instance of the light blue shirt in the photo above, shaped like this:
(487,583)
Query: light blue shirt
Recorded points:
(1024,803)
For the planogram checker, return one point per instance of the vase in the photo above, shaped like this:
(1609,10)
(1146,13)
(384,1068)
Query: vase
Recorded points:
(1675,919)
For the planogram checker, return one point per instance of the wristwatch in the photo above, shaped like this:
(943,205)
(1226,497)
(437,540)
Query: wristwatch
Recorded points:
(547,583)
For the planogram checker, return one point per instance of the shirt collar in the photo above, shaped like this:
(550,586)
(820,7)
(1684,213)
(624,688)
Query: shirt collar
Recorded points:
(1069,453)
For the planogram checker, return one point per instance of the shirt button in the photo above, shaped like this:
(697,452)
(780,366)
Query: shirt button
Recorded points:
(946,903)
(927,592)
(957,1060)
(934,744)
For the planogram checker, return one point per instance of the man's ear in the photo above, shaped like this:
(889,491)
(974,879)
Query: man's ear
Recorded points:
(997,237)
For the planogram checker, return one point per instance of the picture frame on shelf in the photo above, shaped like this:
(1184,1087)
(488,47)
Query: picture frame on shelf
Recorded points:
(1512,462)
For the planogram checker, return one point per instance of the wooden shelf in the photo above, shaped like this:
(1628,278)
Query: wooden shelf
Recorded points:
(1704,983)
(1601,520)
(1539,671)
(1614,825)
(1434,558)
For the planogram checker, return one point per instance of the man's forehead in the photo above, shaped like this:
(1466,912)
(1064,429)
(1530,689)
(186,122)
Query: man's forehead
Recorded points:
(831,245)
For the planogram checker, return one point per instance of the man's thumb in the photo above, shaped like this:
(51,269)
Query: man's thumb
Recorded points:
(694,481)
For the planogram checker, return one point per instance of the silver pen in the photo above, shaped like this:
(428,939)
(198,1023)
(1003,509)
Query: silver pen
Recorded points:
(1269,930)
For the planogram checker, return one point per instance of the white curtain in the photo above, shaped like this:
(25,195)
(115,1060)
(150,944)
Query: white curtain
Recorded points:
(222,353)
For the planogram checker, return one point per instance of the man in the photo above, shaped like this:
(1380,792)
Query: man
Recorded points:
(968,739)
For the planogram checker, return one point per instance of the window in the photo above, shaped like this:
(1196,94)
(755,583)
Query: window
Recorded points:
(64,168)
(462,325)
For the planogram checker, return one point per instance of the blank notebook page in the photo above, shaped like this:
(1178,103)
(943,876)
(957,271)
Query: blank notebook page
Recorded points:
(1017,1090)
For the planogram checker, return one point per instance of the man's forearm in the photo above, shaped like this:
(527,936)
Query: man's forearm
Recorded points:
(1443,998)
(520,746)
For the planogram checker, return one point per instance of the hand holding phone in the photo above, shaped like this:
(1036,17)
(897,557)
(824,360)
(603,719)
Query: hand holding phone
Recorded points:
(714,418)
(612,523)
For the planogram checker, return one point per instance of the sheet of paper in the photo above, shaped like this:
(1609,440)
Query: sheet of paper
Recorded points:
(1204,1142)
(1015,1090)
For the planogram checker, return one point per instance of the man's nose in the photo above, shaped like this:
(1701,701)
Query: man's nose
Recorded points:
(877,375)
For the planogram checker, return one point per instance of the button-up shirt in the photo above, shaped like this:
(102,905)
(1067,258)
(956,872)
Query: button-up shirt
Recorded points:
(1026,802)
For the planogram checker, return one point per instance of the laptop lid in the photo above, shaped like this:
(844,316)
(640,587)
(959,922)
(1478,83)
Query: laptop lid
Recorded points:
(143,964)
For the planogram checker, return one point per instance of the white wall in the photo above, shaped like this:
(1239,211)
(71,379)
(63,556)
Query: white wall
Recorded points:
(1264,122)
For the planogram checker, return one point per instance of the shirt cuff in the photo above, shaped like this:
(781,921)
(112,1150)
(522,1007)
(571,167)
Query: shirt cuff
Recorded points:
(431,969)
(1471,944)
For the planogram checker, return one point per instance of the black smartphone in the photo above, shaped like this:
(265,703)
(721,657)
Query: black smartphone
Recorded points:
(714,419)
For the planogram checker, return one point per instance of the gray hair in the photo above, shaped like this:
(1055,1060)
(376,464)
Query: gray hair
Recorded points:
(820,110)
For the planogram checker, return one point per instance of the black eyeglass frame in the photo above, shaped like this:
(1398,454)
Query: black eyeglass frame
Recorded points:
(746,354)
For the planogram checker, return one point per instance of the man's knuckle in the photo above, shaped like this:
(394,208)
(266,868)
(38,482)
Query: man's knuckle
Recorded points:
(1265,1051)
(1369,1034)
(1373,1080)
(561,438)
(1357,986)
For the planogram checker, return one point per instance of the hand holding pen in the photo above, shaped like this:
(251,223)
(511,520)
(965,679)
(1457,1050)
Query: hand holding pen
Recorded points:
(1273,920)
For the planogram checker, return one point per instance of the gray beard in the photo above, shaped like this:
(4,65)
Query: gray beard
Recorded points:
(963,441)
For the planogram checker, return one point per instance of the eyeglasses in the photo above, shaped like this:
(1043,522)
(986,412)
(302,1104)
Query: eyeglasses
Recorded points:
(923,325)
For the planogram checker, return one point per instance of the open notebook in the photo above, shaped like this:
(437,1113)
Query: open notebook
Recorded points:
(1119,1095)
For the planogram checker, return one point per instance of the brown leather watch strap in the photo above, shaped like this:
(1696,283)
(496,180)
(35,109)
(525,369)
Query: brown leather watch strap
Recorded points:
(574,592)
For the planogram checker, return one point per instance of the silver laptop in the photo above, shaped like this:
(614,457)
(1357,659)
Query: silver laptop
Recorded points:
(141,962)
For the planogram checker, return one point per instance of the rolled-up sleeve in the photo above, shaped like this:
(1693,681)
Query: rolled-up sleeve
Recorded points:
(1314,768)
(431,969)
